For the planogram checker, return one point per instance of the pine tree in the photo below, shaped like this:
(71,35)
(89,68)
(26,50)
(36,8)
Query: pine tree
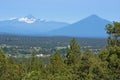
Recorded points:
(112,55)
(73,56)
(73,53)
(3,65)
(35,62)
(114,62)
(113,30)
(56,69)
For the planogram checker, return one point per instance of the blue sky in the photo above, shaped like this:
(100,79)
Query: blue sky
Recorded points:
(60,10)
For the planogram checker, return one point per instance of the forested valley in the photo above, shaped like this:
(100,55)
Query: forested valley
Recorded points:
(75,64)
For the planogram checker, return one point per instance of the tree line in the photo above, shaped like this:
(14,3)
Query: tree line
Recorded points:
(74,65)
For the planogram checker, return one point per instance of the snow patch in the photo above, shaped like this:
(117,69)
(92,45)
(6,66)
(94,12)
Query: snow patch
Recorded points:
(27,20)
(13,18)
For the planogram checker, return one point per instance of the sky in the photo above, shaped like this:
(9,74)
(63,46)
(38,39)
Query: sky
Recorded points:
(60,10)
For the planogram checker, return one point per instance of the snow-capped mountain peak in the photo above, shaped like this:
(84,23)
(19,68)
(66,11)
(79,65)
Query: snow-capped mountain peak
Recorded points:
(28,19)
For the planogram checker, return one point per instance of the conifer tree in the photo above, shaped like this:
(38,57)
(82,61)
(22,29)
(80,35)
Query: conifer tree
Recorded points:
(3,65)
(73,53)
(113,30)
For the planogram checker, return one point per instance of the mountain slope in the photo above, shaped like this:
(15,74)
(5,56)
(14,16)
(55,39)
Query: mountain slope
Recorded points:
(29,25)
(92,26)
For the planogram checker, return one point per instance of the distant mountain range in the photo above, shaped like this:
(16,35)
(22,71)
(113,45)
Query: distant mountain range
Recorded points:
(91,26)
(29,25)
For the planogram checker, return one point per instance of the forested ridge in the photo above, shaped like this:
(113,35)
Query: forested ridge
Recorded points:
(53,41)
(74,65)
